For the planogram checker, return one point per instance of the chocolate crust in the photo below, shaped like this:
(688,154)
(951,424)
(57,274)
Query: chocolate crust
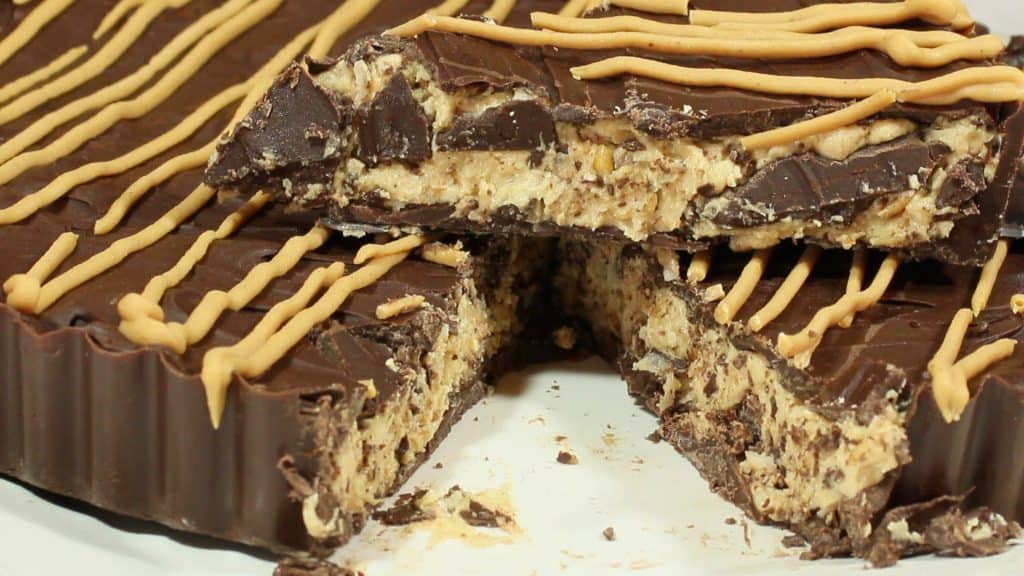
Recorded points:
(126,431)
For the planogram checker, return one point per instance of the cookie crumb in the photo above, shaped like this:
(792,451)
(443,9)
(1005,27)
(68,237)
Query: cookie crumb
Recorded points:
(567,458)
(730,521)
(609,534)
(654,437)
(438,466)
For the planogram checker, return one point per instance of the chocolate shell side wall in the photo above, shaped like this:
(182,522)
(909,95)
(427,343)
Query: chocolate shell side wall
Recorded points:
(128,432)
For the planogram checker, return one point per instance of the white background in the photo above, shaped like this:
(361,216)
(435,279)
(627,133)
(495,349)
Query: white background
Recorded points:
(666,520)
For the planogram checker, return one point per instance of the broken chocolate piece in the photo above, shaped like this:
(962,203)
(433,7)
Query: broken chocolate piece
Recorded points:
(295,126)
(517,125)
(810,186)
(393,126)
(567,458)
(408,509)
(300,567)
(479,516)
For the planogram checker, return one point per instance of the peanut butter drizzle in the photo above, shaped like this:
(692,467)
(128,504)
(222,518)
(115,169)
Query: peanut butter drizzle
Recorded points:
(1017,304)
(787,292)
(730,306)
(677,7)
(699,267)
(826,123)
(855,282)
(116,253)
(400,246)
(400,306)
(106,56)
(143,318)
(500,10)
(267,344)
(985,84)
(989,275)
(950,378)
(66,182)
(28,28)
(255,88)
(115,16)
(830,16)
(736,44)
(227,24)
(347,15)
(219,364)
(994,84)
(21,289)
(800,347)
(544,20)
(444,255)
(17,87)
(141,314)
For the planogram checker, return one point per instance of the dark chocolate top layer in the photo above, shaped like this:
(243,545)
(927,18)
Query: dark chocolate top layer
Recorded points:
(1015,213)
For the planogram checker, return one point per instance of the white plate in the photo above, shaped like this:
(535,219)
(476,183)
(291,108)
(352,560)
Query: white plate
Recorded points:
(666,520)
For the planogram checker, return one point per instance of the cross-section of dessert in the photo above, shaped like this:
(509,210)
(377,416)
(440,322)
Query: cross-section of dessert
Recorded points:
(856,400)
(666,124)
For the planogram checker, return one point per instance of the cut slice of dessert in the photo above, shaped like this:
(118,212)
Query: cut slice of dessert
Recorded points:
(853,399)
(674,127)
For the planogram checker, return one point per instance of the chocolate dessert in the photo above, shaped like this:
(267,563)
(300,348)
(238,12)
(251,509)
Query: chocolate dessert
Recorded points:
(265,351)
(669,127)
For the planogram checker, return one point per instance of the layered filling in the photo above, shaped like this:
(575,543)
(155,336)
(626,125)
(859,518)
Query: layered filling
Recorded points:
(491,154)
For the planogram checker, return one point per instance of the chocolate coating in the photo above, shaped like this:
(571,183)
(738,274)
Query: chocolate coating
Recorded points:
(522,125)
(810,186)
(295,125)
(393,126)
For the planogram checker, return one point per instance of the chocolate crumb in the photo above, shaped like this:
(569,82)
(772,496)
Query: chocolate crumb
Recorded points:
(479,516)
(609,534)
(438,466)
(730,521)
(567,458)
(654,437)
(299,567)
(794,541)
(407,510)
